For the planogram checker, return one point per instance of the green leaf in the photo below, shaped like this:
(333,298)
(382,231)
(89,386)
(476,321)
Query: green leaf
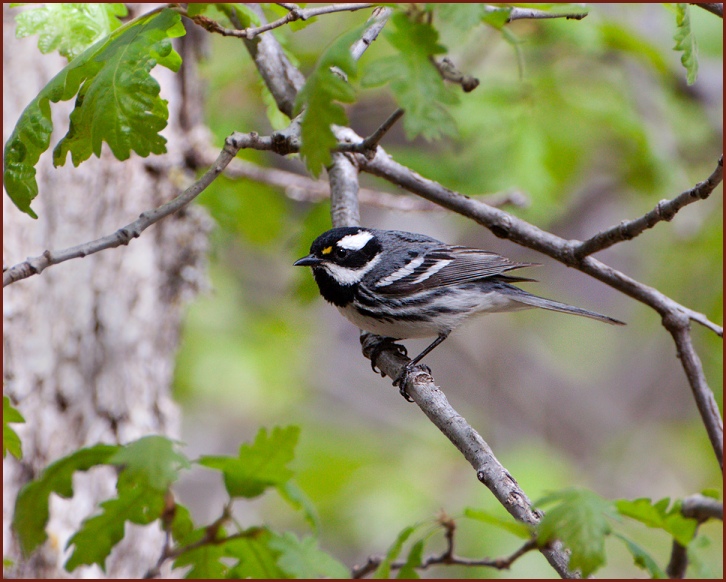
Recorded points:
(518,529)
(67,27)
(658,515)
(641,558)
(117,102)
(31,507)
(256,558)
(414,80)
(686,42)
(384,568)
(11,440)
(137,502)
(462,16)
(151,460)
(181,525)
(578,520)
(205,560)
(415,556)
(319,96)
(712,492)
(291,493)
(259,465)
(303,558)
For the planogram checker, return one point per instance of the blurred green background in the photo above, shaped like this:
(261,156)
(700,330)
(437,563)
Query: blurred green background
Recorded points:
(594,121)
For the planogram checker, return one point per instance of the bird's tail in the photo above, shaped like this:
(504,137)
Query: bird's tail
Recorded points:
(522,296)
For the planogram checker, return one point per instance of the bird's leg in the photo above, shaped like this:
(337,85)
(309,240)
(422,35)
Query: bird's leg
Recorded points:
(384,343)
(400,381)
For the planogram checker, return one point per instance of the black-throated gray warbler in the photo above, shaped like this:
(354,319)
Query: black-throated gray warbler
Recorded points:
(402,285)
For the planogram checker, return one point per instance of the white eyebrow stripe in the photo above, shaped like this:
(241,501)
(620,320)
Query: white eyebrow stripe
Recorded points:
(407,269)
(432,270)
(355,242)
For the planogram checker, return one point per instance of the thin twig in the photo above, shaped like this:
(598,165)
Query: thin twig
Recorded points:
(124,235)
(532,13)
(449,72)
(451,560)
(665,210)
(370,143)
(294,13)
(679,327)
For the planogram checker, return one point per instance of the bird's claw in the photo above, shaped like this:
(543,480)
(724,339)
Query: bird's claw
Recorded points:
(402,378)
(385,344)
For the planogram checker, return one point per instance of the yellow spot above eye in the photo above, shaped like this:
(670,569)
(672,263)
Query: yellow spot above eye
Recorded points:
(327,250)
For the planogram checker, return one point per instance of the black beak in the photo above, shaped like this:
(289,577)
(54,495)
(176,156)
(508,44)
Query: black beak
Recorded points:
(309,261)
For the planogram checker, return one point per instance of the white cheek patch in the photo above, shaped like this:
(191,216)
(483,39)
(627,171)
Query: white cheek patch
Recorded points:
(407,269)
(355,242)
(432,270)
(348,276)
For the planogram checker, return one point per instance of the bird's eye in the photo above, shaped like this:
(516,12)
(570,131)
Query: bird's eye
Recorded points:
(341,253)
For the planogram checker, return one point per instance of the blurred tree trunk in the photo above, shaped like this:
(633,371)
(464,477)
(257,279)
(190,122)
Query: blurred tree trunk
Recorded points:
(89,345)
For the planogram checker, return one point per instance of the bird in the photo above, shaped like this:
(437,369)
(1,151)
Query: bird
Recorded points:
(402,285)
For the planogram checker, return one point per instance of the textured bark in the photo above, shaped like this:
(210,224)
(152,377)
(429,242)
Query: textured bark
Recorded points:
(89,345)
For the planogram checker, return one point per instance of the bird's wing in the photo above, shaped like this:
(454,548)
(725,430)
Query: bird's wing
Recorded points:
(447,265)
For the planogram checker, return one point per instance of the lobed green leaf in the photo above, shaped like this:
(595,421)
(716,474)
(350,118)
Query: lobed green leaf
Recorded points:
(258,466)
(658,515)
(319,97)
(137,502)
(152,460)
(69,28)
(303,558)
(256,557)
(117,101)
(414,80)
(579,520)
(686,42)
(31,506)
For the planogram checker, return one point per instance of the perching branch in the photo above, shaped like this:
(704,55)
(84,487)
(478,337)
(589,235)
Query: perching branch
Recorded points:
(432,401)
(675,317)
(664,210)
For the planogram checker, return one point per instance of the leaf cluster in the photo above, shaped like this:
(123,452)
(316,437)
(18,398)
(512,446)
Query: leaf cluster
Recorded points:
(147,468)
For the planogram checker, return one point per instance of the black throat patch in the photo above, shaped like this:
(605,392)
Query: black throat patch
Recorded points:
(331,290)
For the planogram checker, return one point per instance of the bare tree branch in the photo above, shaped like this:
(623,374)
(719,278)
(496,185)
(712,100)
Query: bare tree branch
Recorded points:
(295,13)
(432,401)
(124,235)
(532,13)
(713,7)
(702,508)
(664,210)
(448,559)
(305,189)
